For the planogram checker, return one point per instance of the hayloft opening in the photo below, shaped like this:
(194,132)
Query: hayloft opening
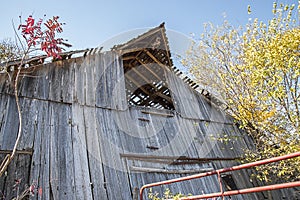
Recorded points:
(145,60)
(145,80)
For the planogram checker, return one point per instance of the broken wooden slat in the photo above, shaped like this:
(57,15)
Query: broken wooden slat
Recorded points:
(139,156)
(152,147)
(29,152)
(157,113)
(170,162)
(143,119)
(168,171)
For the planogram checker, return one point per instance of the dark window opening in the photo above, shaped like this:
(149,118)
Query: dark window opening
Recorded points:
(228,182)
(145,79)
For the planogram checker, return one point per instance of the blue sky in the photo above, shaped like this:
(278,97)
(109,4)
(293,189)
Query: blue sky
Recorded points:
(90,23)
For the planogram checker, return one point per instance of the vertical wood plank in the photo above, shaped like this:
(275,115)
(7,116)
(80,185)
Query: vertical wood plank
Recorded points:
(40,165)
(110,88)
(55,77)
(10,124)
(185,101)
(43,81)
(61,156)
(81,165)
(110,149)
(79,81)
(93,144)
(67,80)
(90,85)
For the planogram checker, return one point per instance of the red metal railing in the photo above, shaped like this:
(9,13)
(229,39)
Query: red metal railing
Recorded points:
(234,168)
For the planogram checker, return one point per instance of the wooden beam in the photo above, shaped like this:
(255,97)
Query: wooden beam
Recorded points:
(137,84)
(154,59)
(148,44)
(169,171)
(158,102)
(150,83)
(131,50)
(171,162)
(17,152)
(142,76)
(136,156)
(148,68)
(166,46)
(128,58)
(156,113)
(159,94)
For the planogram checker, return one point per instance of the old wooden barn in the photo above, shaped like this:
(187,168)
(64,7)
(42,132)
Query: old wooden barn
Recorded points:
(100,125)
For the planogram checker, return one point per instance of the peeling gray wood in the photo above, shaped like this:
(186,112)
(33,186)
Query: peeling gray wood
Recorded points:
(61,153)
(43,81)
(90,84)
(112,164)
(16,171)
(77,124)
(10,124)
(79,82)
(110,88)
(185,101)
(93,144)
(40,165)
(81,165)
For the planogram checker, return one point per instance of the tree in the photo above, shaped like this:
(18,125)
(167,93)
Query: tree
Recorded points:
(255,70)
(9,51)
(38,37)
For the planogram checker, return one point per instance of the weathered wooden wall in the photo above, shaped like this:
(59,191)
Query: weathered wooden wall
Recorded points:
(84,136)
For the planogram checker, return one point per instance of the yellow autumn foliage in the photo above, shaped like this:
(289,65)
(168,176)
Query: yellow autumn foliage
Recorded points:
(255,70)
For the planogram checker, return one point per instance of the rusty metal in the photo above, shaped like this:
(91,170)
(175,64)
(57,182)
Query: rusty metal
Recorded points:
(220,183)
(234,168)
(245,191)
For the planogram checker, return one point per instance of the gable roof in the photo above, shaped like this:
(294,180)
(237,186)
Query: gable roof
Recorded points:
(149,47)
(155,41)
(145,59)
(153,47)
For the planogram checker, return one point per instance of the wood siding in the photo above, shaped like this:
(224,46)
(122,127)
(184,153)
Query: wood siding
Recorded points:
(86,141)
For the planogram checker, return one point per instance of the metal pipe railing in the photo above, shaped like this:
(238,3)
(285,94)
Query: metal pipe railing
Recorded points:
(234,168)
(244,191)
